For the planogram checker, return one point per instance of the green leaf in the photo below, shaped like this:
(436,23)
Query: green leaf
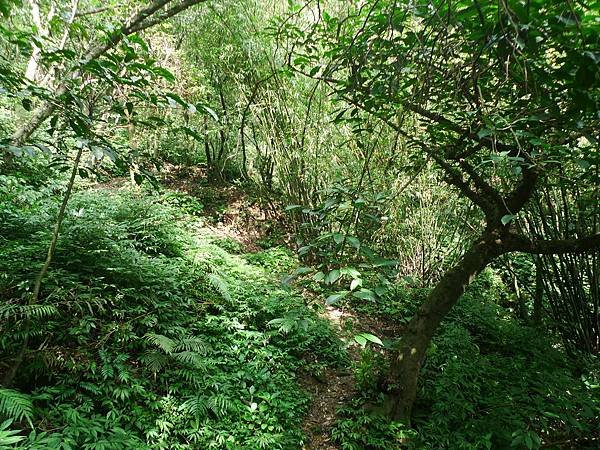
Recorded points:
(192,133)
(362,339)
(304,250)
(507,218)
(583,164)
(382,262)
(354,242)
(336,297)
(484,132)
(302,271)
(365,294)
(332,276)
(350,271)
(138,40)
(164,73)
(210,111)
(15,405)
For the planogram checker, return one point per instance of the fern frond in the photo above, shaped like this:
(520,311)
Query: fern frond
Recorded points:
(220,285)
(16,405)
(155,361)
(192,377)
(195,406)
(37,311)
(219,404)
(166,344)
(191,344)
(188,358)
(7,310)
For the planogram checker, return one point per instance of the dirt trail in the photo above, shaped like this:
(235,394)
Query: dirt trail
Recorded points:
(338,386)
(334,388)
(236,218)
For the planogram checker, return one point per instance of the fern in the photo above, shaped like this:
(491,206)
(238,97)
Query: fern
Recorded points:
(192,377)
(155,361)
(164,343)
(8,312)
(15,405)
(199,406)
(219,404)
(220,285)
(191,344)
(188,358)
(195,406)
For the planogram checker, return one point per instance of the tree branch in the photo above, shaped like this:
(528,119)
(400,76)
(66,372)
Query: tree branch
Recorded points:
(455,178)
(484,188)
(520,196)
(137,22)
(519,243)
(185,4)
(436,117)
(97,10)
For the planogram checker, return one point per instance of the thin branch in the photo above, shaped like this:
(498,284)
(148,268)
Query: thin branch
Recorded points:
(520,243)
(98,10)
(137,22)
(165,15)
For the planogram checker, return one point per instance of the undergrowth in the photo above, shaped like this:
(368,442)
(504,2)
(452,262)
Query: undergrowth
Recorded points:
(488,381)
(149,333)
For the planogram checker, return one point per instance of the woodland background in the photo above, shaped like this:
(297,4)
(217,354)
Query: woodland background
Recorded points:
(322,224)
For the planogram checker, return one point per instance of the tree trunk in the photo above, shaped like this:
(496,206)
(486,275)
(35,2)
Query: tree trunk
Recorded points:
(407,360)
(12,371)
(43,33)
(539,292)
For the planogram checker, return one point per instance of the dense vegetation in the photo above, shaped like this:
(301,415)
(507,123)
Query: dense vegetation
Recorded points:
(257,224)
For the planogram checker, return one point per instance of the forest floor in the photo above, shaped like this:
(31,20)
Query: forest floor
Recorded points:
(337,386)
(331,390)
(176,312)
(231,214)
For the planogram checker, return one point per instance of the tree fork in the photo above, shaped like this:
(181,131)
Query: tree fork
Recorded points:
(407,360)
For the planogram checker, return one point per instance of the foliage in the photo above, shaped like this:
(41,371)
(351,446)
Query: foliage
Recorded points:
(488,382)
(361,429)
(396,131)
(7,436)
(141,349)
(15,405)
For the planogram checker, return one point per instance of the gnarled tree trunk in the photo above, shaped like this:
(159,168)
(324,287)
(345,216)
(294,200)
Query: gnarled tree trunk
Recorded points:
(406,361)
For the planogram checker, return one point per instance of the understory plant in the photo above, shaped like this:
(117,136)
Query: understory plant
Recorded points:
(148,334)
(488,382)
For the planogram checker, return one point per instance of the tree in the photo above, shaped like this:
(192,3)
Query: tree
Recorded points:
(157,12)
(502,96)
(80,119)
